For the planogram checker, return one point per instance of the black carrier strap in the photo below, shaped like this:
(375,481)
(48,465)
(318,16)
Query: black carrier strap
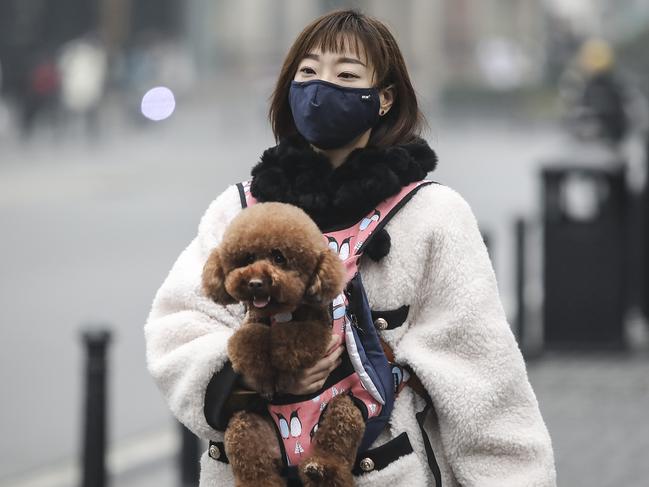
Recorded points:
(430,454)
(382,456)
(394,317)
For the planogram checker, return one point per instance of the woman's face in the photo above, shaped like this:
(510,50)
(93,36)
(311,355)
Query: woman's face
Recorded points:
(342,68)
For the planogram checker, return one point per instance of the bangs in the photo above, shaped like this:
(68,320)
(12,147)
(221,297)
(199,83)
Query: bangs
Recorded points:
(338,42)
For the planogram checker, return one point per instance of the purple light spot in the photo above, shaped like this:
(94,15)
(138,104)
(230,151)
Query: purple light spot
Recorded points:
(158,103)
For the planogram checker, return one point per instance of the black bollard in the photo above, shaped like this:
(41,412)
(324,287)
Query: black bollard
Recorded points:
(189,458)
(96,341)
(520,278)
(644,216)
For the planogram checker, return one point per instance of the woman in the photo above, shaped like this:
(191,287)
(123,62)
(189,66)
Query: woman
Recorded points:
(428,276)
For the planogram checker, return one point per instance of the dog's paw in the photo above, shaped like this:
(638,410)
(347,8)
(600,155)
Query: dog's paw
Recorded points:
(321,471)
(314,470)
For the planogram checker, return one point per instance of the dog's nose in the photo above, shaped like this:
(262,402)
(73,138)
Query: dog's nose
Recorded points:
(255,283)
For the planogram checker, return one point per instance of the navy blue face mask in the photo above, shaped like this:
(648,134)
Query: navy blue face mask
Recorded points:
(330,116)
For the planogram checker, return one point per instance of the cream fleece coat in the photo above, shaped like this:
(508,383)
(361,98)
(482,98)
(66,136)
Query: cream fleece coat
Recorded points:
(486,429)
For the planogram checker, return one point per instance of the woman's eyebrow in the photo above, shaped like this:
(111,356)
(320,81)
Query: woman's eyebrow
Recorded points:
(351,60)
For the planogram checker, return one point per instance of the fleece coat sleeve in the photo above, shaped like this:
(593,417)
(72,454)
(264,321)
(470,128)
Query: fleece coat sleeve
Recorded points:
(461,347)
(186,333)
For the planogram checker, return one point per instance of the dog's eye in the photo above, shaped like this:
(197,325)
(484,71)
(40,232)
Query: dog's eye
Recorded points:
(245,259)
(278,257)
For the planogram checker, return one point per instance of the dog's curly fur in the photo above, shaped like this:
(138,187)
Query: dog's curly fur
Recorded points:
(274,259)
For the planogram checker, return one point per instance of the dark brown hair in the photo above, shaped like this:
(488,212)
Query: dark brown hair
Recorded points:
(359,33)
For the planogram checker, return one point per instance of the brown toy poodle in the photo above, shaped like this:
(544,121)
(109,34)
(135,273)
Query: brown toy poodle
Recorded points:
(274,259)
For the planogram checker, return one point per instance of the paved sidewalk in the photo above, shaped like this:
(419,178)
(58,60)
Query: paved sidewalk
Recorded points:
(597,410)
(160,474)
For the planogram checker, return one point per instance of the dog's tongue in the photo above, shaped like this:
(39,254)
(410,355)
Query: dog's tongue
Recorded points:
(261,302)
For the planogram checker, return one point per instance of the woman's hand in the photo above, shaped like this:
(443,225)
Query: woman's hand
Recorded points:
(312,379)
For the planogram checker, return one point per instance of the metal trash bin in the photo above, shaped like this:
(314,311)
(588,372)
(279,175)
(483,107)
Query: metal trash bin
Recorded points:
(584,249)
(639,259)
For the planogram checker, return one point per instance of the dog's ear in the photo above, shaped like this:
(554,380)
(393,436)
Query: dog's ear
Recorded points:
(329,278)
(214,279)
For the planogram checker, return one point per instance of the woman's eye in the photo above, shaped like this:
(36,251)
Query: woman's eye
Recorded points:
(348,75)
(278,257)
(307,70)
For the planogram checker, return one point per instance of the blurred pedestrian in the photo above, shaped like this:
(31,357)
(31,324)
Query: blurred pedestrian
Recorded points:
(603,93)
(596,95)
(348,127)
(40,93)
(83,65)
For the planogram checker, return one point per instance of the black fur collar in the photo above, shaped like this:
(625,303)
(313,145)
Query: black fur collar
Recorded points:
(292,172)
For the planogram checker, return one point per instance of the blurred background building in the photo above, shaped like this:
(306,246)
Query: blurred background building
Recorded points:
(103,182)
